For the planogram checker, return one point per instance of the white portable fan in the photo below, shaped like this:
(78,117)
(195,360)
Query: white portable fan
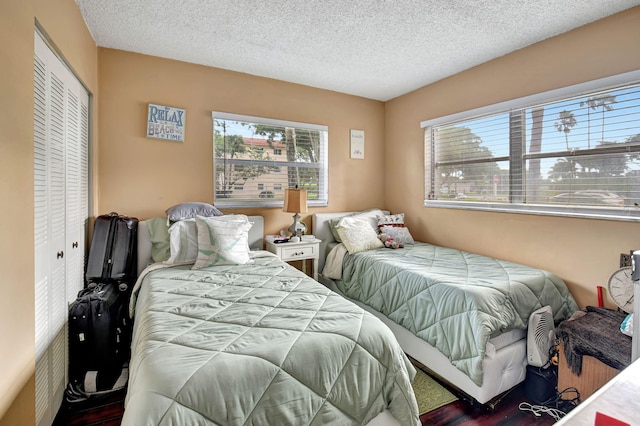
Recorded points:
(541,336)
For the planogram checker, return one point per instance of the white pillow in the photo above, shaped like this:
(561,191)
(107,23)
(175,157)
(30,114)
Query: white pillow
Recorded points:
(183,242)
(357,235)
(370,215)
(222,240)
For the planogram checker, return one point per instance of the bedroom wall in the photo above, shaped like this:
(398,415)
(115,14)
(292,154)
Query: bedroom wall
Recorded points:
(583,252)
(62,21)
(143,177)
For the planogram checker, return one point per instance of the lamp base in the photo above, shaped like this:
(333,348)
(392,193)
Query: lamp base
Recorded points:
(297,228)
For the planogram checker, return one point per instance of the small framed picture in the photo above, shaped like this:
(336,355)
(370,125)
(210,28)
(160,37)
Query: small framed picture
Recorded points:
(164,122)
(357,144)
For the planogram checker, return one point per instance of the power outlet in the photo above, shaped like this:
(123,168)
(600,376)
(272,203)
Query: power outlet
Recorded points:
(625,260)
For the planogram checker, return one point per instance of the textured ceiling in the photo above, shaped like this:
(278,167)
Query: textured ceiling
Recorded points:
(378,49)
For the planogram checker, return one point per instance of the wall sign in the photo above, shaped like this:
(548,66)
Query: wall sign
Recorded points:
(165,122)
(357,144)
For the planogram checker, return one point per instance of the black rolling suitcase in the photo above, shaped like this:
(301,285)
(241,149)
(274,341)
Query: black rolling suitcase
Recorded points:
(99,339)
(99,324)
(112,255)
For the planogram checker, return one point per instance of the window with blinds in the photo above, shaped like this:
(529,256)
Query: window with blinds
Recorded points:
(575,155)
(256,159)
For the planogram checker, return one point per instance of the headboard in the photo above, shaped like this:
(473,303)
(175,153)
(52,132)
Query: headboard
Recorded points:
(256,237)
(322,231)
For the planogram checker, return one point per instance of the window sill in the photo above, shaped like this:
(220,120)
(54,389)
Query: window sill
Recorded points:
(629,214)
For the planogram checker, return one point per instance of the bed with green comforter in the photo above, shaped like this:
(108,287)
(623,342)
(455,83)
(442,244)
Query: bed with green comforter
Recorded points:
(259,344)
(452,299)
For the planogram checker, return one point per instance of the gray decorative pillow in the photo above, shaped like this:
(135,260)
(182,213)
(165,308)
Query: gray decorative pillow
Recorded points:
(190,210)
(400,234)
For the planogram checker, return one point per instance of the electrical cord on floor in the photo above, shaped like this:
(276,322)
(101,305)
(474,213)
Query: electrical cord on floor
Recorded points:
(539,410)
(557,406)
(565,404)
(559,402)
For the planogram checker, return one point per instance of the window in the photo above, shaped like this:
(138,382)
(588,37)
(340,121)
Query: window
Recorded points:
(277,151)
(241,159)
(573,151)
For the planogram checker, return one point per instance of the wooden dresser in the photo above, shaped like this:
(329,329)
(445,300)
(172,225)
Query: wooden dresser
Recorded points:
(594,375)
(594,336)
(618,398)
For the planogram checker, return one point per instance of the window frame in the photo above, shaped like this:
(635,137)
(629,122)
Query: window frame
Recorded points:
(630,213)
(322,165)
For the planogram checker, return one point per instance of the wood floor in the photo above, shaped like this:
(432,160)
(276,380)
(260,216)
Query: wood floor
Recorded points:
(108,412)
(507,412)
(105,411)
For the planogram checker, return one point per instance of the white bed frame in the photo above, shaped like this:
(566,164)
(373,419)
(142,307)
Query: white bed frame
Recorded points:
(256,242)
(500,372)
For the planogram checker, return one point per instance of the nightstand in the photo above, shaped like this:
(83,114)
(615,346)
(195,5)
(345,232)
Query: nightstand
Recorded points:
(302,250)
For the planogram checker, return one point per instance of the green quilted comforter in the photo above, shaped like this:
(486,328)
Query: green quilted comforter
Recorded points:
(452,299)
(259,344)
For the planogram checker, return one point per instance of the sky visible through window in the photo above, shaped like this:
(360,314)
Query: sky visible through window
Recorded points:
(575,156)
(616,121)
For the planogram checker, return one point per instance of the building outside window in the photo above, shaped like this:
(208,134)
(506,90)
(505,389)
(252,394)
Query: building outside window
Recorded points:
(260,153)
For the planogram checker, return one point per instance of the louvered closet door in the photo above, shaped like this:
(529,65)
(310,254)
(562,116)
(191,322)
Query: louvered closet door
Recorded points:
(60,203)
(77,148)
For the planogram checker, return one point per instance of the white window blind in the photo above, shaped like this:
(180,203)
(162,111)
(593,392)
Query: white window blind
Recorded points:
(578,155)
(256,158)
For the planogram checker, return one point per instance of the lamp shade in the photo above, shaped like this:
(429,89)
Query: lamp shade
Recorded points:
(295,200)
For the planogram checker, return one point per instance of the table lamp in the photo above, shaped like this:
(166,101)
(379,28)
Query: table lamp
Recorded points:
(295,201)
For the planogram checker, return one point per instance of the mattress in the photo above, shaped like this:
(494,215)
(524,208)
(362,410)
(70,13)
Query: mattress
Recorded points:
(330,271)
(260,343)
(454,300)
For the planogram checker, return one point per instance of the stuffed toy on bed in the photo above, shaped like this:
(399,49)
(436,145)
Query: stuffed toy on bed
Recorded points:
(389,242)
